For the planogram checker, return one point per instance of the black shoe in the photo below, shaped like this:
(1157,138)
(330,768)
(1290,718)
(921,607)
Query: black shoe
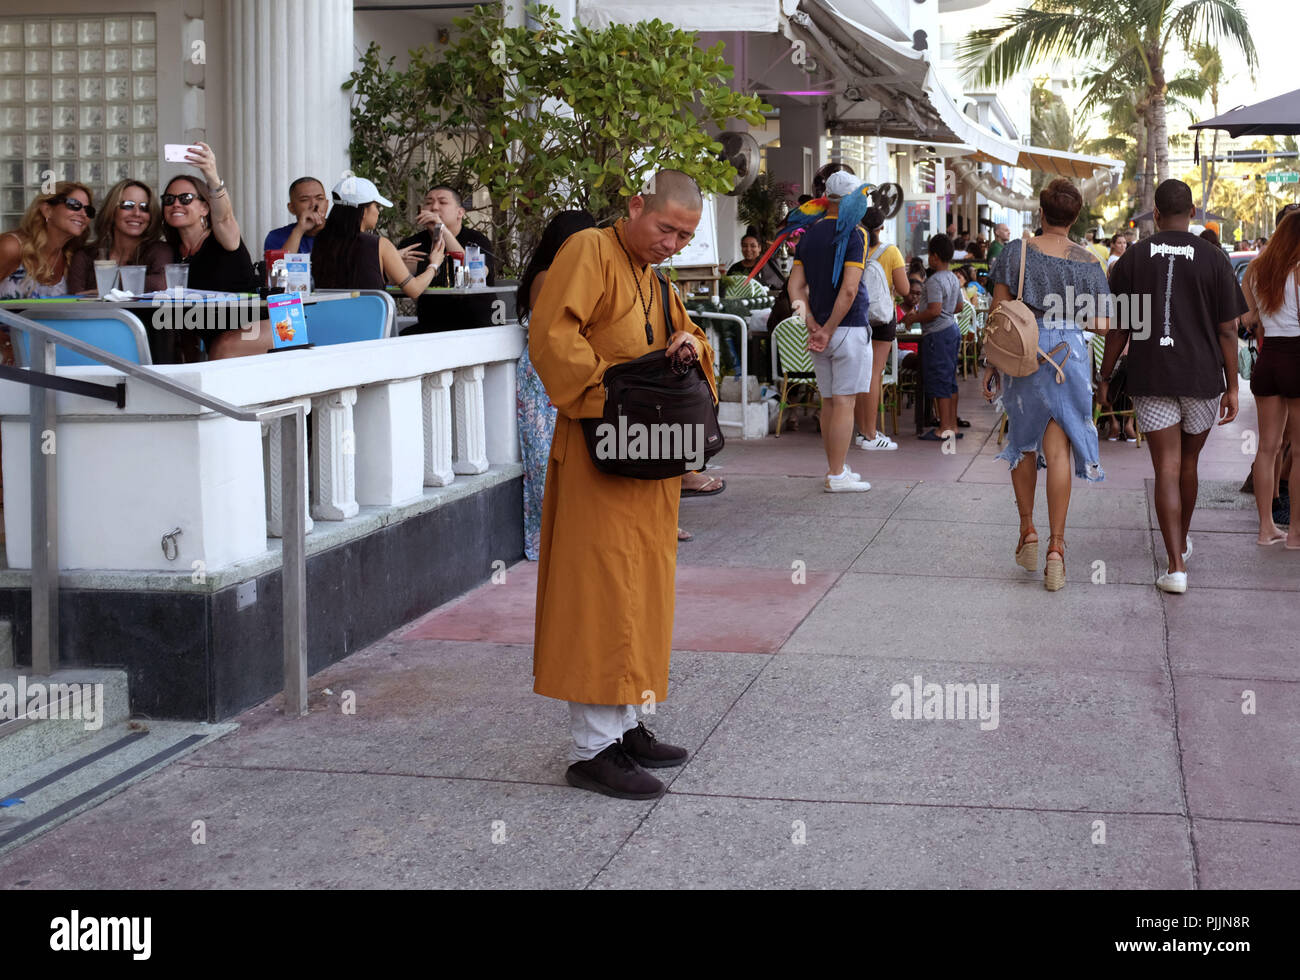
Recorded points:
(648,751)
(963,424)
(1282,509)
(614,773)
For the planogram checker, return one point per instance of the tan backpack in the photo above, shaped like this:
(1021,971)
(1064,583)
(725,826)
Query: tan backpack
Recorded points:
(1011,334)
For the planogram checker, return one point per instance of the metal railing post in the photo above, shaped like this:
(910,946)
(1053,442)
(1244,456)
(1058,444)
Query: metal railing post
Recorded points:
(45,514)
(293,441)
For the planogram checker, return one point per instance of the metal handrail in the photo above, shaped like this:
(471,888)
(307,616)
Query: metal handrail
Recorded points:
(731,318)
(44,476)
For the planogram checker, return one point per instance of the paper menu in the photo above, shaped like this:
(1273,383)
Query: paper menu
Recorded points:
(297,267)
(288,324)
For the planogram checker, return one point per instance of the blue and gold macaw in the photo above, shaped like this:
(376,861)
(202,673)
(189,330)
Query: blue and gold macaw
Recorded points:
(852,209)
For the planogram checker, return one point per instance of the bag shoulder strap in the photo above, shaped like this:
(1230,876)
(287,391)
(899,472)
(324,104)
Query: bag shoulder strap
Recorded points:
(1020,283)
(880,247)
(668,316)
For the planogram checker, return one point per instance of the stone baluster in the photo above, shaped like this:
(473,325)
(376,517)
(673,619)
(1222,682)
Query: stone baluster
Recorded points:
(469,435)
(435,396)
(334,487)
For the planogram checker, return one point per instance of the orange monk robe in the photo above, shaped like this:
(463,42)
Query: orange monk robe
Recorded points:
(608,560)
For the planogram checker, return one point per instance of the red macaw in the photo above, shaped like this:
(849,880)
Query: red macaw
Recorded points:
(800,219)
(851,211)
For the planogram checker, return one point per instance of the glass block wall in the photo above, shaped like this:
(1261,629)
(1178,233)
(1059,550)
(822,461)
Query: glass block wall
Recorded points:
(78,96)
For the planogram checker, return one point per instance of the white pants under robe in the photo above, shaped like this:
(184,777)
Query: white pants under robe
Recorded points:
(595,727)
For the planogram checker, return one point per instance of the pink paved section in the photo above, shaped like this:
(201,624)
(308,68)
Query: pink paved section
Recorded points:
(717,609)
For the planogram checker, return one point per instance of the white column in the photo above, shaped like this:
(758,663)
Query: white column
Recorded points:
(388,421)
(293,56)
(334,489)
(273,465)
(469,437)
(435,397)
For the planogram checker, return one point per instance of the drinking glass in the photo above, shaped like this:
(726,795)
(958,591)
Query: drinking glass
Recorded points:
(178,276)
(133,279)
(105,276)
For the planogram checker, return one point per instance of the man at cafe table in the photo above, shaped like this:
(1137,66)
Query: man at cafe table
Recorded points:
(442,206)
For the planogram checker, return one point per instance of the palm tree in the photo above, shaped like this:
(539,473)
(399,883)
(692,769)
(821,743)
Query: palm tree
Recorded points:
(1209,61)
(1140,32)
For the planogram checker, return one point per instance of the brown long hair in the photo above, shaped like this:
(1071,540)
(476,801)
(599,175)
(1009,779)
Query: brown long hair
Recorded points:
(106,220)
(33,232)
(205,195)
(1270,272)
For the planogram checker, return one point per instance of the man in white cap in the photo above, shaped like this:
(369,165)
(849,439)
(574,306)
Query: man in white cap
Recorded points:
(839,332)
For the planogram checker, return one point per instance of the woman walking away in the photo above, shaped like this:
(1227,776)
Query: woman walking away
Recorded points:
(1272,290)
(891,263)
(1050,416)
(536,414)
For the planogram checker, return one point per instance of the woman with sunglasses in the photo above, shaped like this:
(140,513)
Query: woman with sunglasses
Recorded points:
(34,259)
(200,226)
(128,230)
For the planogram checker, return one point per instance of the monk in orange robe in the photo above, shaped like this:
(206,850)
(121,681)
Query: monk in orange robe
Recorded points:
(608,557)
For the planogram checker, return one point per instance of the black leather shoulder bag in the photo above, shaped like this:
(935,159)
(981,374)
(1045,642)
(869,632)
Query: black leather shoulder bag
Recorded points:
(660,420)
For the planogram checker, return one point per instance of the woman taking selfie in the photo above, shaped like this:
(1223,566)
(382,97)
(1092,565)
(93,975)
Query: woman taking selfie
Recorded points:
(201,229)
(128,230)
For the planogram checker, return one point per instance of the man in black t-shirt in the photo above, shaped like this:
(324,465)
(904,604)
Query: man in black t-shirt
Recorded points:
(442,207)
(1177,304)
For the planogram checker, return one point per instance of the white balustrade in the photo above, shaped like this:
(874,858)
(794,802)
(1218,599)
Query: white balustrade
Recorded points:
(469,440)
(389,418)
(334,457)
(435,396)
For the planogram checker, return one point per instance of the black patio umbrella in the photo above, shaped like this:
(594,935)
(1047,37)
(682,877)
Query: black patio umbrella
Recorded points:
(1279,116)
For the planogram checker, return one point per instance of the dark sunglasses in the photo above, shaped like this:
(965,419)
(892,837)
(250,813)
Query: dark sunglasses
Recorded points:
(72,204)
(132,206)
(186,199)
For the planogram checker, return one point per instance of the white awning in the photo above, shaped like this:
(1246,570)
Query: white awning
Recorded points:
(762,16)
(887,88)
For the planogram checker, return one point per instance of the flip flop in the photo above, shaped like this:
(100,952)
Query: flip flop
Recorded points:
(701,492)
(1272,541)
(930,436)
(684,535)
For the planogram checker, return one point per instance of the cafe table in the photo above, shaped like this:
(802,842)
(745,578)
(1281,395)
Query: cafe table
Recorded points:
(165,316)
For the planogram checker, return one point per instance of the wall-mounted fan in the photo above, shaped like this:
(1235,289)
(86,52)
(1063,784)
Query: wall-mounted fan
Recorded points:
(741,151)
(889,198)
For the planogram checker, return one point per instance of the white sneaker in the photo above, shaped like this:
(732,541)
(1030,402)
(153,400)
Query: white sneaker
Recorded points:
(1188,553)
(881,442)
(1175,582)
(848,472)
(846,482)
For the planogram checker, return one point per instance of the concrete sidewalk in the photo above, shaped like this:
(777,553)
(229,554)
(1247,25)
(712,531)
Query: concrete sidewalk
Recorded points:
(1122,756)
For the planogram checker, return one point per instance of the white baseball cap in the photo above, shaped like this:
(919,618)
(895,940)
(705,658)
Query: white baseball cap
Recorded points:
(842,184)
(357,191)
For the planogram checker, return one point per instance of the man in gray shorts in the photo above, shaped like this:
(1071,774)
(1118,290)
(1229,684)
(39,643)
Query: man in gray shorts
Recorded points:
(839,335)
(1178,302)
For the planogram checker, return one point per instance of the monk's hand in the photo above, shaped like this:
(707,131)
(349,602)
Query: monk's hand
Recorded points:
(679,338)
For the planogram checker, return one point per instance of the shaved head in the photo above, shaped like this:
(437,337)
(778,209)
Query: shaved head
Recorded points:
(672,187)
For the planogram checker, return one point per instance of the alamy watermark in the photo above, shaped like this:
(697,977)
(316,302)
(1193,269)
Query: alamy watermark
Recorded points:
(658,440)
(175,313)
(53,702)
(945,702)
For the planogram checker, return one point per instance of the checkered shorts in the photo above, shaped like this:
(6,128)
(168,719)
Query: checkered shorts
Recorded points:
(1156,412)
